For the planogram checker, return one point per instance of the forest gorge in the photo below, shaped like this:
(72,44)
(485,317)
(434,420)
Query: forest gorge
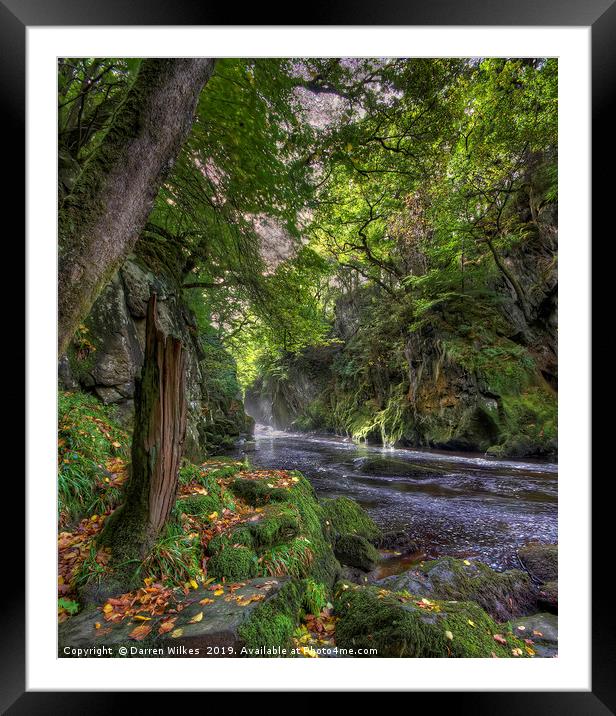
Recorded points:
(364,248)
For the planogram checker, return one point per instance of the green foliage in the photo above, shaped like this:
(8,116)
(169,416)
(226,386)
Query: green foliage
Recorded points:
(315,599)
(69,605)
(88,437)
(175,557)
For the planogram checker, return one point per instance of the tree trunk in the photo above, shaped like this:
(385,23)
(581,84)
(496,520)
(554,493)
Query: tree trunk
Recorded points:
(158,442)
(100,220)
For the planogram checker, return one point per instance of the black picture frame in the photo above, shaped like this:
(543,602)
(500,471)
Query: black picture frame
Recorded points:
(600,15)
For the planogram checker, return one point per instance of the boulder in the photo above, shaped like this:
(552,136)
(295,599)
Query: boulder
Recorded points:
(398,540)
(397,624)
(356,551)
(540,561)
(342,515)
(503,595)
(542,630)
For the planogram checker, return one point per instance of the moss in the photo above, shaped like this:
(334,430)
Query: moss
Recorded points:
(346,517)
(198,505)
(272,624)
(257,493)
(279,525)
(356,551)
(501,594)
(233,563)
(396,626)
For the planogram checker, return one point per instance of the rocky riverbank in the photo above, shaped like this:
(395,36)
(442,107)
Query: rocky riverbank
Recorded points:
(279,573)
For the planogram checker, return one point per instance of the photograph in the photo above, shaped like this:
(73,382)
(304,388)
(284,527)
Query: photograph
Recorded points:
(307,342)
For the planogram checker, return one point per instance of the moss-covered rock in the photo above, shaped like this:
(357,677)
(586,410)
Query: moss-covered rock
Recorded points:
(272,624)
(290,537)
(398,624)
(540,560)
(356,551)
(258,492)
(233,563)
(502,594)
(344,516)
(548,596)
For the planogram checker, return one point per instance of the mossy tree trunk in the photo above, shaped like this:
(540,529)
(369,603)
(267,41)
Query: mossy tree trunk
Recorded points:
(100,220)
(158,442)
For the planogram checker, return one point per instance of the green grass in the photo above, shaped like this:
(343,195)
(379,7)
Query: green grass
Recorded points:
(88,436)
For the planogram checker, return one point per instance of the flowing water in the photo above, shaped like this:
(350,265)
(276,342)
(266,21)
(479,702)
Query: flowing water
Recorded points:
(459,504)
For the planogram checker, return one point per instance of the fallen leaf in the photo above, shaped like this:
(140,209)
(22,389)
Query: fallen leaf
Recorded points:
(218,592)
(449,635)
(207,601)
(140,632)
(499,638)
(196,618)
(178,632)
(166,626)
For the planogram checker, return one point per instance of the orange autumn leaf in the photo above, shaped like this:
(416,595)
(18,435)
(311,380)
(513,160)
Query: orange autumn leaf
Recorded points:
(140,632)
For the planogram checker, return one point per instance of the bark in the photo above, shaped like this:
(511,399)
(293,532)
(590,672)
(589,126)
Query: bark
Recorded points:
(158,442)
(100,220)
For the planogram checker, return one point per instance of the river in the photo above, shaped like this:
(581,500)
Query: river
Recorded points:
(459,504)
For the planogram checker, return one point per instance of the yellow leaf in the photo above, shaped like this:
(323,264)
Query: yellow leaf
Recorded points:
(218,592)
(449,635)
(107,608)
(196,618)
(178,632)
(471,622)
(194,584)
(148,580)
(213,516)
(141,618)
(206,601)
(97,625)
(467,563)
(529,651)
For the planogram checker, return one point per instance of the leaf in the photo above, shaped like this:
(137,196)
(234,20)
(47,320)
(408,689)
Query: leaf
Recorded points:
(166,626)
(471,622)
(178,632)
(213,516)
(116,444)
(140,632)
(449,635)
(207,600)
(218,592)
(516,652)
(194,584)
(107,608)
(499,638)
(141,618)
(197,618)
(467,563)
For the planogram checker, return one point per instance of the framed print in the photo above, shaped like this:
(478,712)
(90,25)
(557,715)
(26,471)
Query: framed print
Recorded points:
(308,368)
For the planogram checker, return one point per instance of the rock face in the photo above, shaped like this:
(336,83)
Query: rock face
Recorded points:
(107,354)
(503,595)
(471,375)
(225,629)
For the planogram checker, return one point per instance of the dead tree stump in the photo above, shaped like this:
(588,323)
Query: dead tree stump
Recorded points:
(158,443)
